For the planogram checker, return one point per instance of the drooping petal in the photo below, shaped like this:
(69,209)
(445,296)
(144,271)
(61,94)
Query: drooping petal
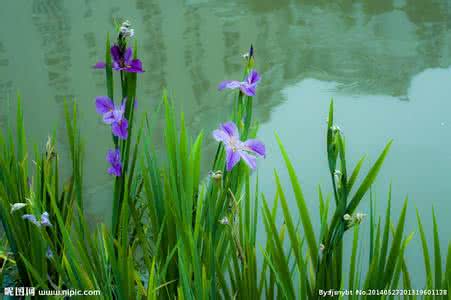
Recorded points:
(249,159)
(32,219)
(45,220)
(248,90)
(253,78)
(114,158)
(231,129)
(120,129)
(232,158)
(116,53)
(255,146)
(115,170)
(104,105)
(135,66)
(229,84)
(100,65)
(128,56)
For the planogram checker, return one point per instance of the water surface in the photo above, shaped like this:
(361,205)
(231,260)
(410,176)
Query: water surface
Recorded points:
(386,63)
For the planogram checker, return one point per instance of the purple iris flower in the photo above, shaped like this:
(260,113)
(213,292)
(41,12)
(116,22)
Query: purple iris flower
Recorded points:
(228,134)
(114,158)
(113,115)
(122,61)
(32,219)
(247,87)
(44,219)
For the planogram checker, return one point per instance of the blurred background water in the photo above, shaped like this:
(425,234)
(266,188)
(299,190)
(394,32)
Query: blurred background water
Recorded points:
(386,63)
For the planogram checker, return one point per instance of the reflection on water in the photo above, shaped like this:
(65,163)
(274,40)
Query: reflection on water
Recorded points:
(418,163)
(364,47)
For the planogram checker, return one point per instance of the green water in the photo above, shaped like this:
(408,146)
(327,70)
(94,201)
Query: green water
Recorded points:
(386,63)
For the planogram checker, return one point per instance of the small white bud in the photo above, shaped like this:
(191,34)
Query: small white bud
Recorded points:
(335,128)
(224,221)
(126,29)
(347,217)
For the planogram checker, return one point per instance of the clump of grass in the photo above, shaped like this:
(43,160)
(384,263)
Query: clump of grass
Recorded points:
(177,233)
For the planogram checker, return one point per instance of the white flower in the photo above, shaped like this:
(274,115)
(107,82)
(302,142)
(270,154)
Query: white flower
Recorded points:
(126,29)
(224,221)
(17,206)
(322,247)
(347,217)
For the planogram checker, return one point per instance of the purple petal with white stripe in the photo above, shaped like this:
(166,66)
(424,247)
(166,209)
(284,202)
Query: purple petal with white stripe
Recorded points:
(232,158)
(120,129)
(255,146)
(253,78)
(231,129)
(229,84)
(32,219)
(104,105)
(249,159)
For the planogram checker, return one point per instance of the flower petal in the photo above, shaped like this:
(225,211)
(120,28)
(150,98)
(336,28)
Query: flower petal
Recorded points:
(253,78)
(249,159)
(229,84)
(231,129)
(120,129)
(232,158)
(104,105)
(32,219)
(113,156)
(116,53)
(108,118)
(118,115)
(45,220)
(128,56)
(115,170)
(100,65)
(116,66)
(256,147)
(135,67)
(221,136)
(248,90)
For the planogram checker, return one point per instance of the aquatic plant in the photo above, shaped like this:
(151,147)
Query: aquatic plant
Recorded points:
(177,233)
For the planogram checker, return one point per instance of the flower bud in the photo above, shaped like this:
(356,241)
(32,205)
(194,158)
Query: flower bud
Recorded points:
(224,221)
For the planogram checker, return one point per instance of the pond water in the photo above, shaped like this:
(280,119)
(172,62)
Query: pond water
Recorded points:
(386,63)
